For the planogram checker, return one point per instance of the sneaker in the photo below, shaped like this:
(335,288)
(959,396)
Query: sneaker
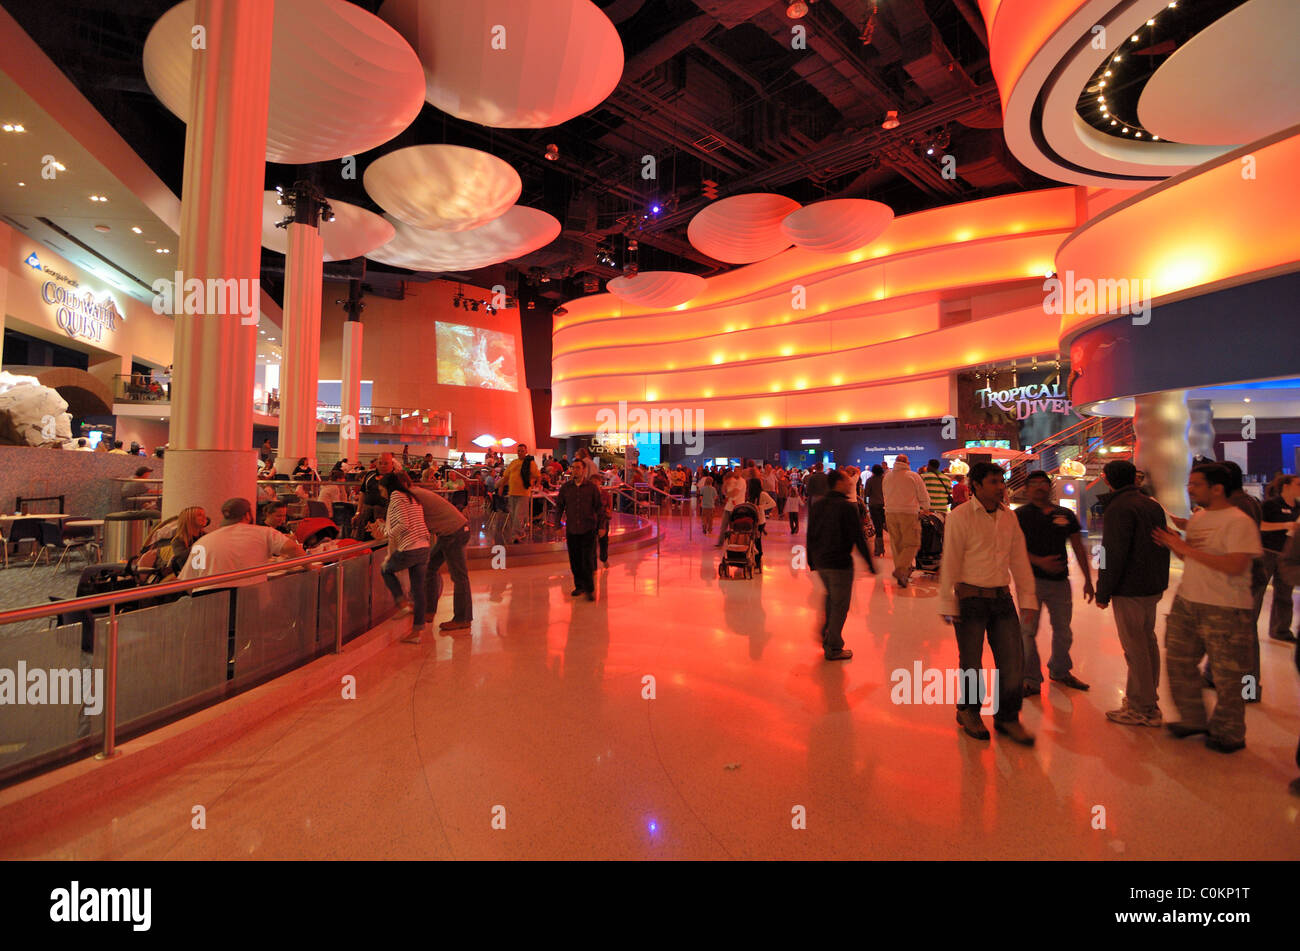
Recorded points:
(1014,731)
(969,720)
(455,625)
(1030,689)
(576,592)
(1223,746)
(403,609)
(1069,680)
(1183,730)
(1130,717)
(844,654)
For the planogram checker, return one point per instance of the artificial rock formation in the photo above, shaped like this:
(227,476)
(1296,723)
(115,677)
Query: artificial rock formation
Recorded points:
(32,414)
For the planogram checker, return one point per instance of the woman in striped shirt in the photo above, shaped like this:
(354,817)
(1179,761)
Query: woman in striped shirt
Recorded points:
(408,548)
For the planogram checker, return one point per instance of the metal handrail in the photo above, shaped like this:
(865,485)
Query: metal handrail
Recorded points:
(113,599)
(90,602)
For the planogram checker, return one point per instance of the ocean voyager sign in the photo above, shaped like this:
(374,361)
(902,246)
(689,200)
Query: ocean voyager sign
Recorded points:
(1025,401)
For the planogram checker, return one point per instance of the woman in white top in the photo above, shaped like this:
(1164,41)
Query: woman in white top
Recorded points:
(408,548)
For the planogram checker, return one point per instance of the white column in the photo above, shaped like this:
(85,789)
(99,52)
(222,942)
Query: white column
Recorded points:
(350,399)
(1160,423)
(300,368)
(210,457)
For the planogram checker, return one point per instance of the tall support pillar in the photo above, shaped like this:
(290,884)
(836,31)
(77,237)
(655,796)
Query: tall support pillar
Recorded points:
(350,423)
(1160,422)
(300,368)
(210,456)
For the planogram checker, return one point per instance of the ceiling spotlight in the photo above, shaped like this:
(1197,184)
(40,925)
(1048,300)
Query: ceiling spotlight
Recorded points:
(13,127)
(1155,138)
(559,311)
(546,277)
(796,9)
(532,305)
(1151,22)
(930,150)
(1133,38)
(552,153)
(136,230)
(655,209)
(891,120)
(22,184)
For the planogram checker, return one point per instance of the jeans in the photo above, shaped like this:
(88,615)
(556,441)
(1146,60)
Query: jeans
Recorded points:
(1280,616)
(997,618)
(1135,620)
(451,549)
(839,591)
(1193,630)
(877,513)
(519,511)
(1057,597)
(416,563)
(582,560)
(793,512)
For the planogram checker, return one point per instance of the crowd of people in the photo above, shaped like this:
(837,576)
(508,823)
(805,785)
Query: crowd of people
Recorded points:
(1233,548)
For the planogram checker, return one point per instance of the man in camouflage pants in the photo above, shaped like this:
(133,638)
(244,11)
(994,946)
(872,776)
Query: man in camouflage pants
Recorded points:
(1212,612)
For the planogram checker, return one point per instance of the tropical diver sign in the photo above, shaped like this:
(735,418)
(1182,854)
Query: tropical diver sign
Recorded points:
(1024,401)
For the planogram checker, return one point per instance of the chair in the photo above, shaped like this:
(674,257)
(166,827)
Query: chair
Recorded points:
(51,537)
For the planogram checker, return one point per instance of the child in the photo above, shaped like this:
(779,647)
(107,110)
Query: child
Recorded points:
(792,508)
(708,497)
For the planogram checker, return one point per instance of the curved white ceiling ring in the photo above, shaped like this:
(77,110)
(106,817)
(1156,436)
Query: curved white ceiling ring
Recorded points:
(342,80)
(520,231)
(442,187)
(742,229)
(1258,95)
(353,233)
(512,64)
(837,225)
(658,288)
(1042,126)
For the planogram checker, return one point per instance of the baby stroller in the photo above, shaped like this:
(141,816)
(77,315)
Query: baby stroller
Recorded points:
(739,545)
(930,553)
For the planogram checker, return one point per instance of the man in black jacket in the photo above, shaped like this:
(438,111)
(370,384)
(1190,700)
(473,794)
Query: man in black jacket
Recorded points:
(1134,573)
(579,503)
(834,530)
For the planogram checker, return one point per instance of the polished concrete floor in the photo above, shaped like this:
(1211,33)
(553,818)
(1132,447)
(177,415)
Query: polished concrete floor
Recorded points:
(540,722)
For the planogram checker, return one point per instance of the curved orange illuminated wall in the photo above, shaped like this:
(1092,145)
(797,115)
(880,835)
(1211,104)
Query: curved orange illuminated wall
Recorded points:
(806,339)
(1229,221)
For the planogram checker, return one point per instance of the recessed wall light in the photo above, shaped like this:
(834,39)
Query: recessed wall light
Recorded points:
(22,184)
(136,230)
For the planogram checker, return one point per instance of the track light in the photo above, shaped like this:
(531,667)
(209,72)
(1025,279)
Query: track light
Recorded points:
(552,153)
(797,9)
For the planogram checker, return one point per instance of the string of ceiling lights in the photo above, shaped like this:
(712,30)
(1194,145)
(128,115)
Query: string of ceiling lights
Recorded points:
(1093,106)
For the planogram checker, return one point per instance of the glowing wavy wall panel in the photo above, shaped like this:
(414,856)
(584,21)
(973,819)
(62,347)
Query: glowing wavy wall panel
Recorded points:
(1051,210)
(1014,334)
(1211,227)
(926,398)
(866,346)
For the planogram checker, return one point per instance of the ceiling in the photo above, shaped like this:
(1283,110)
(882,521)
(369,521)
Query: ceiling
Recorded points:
(711,89)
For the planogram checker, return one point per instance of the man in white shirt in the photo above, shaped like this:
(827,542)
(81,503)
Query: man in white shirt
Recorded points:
(1212,612)
(905,498)
(237,544)
(983,548)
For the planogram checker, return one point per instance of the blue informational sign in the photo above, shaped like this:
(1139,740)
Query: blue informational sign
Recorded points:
(647,445)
